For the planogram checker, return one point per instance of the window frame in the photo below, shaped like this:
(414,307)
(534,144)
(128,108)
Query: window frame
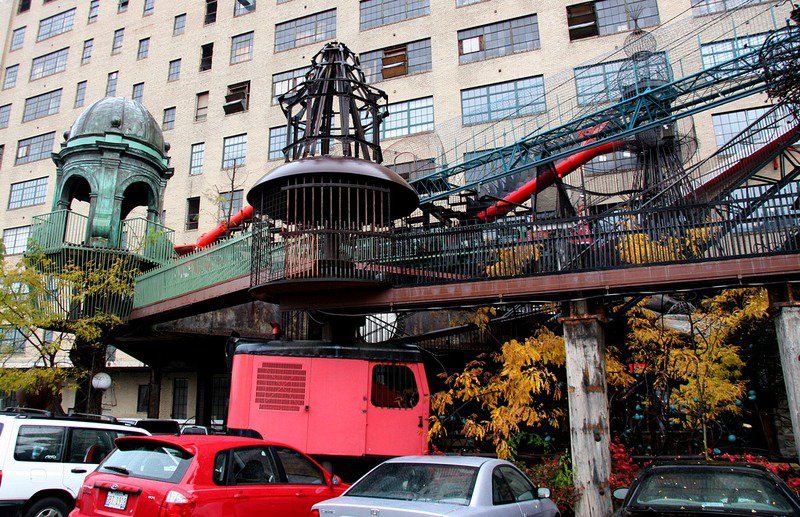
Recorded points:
(38,198)
(291,26)
(500,31)
(35,103)
(63,443)
(118,41)
(143,52)
(57,59)
(245,40)
(178,29)
(168,121)
(189,224)
(57,24)
(17,38)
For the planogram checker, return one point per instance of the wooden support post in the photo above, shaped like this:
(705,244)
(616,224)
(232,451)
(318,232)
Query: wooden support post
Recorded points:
(787,324)
(154,394)
(588,410)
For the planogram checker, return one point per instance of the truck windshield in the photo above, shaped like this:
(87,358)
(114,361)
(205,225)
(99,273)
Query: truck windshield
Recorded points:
(449,484)
(151,460)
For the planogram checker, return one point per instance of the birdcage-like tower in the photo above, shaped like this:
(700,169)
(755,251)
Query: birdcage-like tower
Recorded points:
(319,217)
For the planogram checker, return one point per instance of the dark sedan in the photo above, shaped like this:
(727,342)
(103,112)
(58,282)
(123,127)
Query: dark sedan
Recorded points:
(707,489)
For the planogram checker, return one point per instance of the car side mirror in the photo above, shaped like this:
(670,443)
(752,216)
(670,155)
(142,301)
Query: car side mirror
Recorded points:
(620,493)
(336,480)
(544,493)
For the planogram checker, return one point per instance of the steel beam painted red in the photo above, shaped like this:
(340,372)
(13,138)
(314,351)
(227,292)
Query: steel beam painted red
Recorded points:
(547,178)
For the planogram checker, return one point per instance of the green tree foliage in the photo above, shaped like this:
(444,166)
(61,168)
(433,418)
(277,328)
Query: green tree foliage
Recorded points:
(75,302)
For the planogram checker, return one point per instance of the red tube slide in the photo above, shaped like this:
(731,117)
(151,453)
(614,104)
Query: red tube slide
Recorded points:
(212,235)
(544,180)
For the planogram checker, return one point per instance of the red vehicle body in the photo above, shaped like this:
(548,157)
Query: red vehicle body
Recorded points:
(331,400)
(204,475)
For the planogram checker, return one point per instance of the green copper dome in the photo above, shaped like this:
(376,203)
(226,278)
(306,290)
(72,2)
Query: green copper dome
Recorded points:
(119,115)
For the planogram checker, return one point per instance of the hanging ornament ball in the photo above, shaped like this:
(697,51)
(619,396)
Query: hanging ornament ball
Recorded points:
(673,408)
(732,438)
(738,402)
(547,438)
(751,397)
(717,451)
(696,399)
(649,448)
(751,392)
(638,407)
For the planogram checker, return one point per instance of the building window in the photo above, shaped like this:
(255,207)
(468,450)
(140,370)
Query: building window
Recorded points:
(242,48)
(285,81)
(407,118)
(718,52)
(206,56)
(415,169)
(237,99)
(179,25)
(180,398)
(728,126)
(111,84)
(35,148)
(2,152)
(144,48)
(211,12)
(498,39)
(462,3)
(169,119)
(16,239)
(598,84)
(80,94)
(234,151)
(24,6)
(56,24)
(10,78)
(28,193)
(86,54)
(12,340)
(396,61)
(703,7)
(230,205)
(138,92)
(603,17)
(305,30)
(17,39)
(149,7)
(94,8)
(192,213)
(518,98)
(201,107)
(241,7)
(220,395)
(116,46)
(143,398)
(174,72)
(42,105)
(122,6)
(382,12)
(277,141)
(196,159)
(5,115)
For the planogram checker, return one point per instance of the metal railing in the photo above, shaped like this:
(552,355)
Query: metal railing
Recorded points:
(146,240)
(223,261)
(728,229)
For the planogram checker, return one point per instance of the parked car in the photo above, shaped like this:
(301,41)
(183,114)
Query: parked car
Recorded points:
(205,475)
(44,459)
(441,485)
(707,488)
(155,425)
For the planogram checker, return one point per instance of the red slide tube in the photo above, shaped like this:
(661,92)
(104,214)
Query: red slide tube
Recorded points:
(544,180)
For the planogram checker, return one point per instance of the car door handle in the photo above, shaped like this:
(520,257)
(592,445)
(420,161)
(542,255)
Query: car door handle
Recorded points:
(78,471)
(298,494)
(237,496)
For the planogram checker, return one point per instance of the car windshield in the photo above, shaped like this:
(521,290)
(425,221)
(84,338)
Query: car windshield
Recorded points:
(418,482)
(712,490)
(148,460)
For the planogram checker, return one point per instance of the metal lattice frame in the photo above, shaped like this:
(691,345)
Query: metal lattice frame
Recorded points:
(334,111)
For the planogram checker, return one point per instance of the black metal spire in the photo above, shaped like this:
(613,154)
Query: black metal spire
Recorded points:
(334,111)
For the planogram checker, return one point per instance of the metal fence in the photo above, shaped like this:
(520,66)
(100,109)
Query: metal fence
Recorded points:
(747,224)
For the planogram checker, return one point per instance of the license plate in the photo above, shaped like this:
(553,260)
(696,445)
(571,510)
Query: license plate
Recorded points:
(116,500)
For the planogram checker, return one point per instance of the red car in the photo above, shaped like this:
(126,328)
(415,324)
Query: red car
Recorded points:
(197,475)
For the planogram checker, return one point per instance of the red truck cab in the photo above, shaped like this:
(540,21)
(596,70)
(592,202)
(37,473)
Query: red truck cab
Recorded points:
(330,400)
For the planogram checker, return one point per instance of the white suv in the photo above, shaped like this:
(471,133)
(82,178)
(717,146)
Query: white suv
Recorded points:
(44,459)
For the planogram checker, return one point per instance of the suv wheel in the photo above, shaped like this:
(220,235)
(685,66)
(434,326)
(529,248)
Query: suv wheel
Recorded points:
(48,507)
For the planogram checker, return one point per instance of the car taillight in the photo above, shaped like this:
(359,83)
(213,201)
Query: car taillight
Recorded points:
(86,491)
(314,513)
(176,504)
